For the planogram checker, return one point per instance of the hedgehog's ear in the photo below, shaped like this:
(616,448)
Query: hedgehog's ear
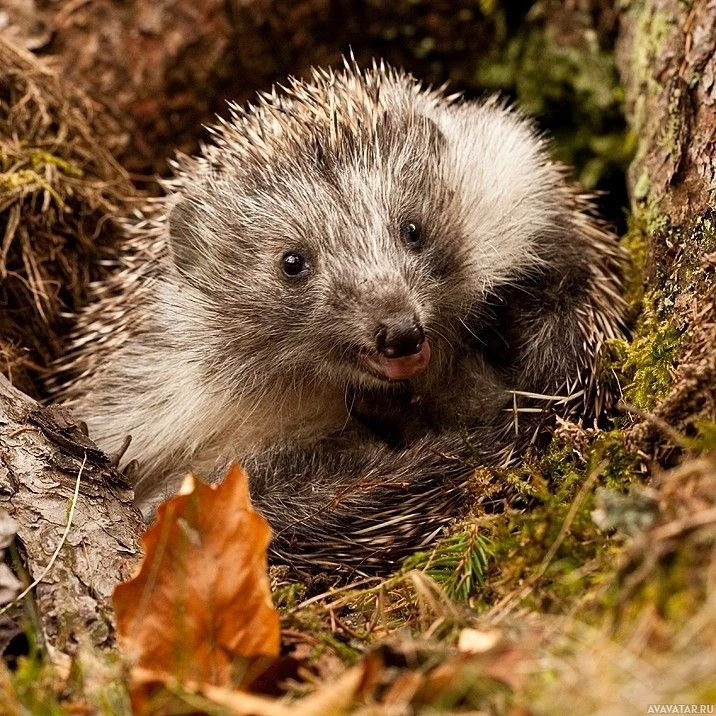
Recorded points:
(186,244)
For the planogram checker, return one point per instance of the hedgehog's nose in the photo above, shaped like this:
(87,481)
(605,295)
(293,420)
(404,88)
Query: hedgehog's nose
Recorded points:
(398,337)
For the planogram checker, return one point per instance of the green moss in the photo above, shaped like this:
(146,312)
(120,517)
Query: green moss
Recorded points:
(9,181)
(104,686)
(651,31)
(25,173)
(647,365)
(288,596)
(37,688)
(560,470)
(705,439)
(635,243)
(620,465)
(696,241)
(552,541)
(671,139)
(312,620)
(40,157)
(649,361)
(642,186)
(678,263)
(26,180)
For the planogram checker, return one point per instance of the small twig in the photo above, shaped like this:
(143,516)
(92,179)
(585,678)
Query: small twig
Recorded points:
(60,544)
(333,592)
(332,617)
(657,422)
(376,613)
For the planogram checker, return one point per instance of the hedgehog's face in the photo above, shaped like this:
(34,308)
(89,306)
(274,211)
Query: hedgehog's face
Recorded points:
(363,262)
(368,290)
(344,269)
(355,290)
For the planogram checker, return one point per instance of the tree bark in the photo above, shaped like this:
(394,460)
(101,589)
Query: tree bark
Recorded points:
(42,455)
(666,51)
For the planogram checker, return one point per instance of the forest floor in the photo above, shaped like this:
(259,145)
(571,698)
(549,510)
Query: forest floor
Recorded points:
(598,598)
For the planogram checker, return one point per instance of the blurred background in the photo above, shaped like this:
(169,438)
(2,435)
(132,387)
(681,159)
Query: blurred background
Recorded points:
(164,67)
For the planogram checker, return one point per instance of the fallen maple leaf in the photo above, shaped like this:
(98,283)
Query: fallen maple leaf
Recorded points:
(200,607)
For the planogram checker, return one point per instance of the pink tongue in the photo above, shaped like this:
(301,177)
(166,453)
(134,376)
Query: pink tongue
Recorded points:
(405,366)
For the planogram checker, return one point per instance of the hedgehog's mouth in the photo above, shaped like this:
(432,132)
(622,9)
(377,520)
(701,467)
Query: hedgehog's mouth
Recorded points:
(397,368)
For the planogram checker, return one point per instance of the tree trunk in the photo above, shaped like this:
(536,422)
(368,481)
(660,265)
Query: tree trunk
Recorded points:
(42,456)
(666,51)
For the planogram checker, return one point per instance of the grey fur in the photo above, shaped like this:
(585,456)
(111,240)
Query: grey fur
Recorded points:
(203,351)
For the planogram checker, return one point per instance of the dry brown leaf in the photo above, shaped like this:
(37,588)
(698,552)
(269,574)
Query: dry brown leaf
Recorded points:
(200,607)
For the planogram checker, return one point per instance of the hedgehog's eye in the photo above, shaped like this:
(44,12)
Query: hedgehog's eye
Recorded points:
(411,234)
(293,264)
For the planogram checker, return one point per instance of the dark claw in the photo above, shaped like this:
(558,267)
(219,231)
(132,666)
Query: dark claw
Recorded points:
(116,457)
(131,472)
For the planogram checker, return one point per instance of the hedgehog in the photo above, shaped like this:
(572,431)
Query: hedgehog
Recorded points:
(361,289)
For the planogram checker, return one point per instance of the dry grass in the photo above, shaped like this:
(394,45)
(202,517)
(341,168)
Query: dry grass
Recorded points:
(59,189)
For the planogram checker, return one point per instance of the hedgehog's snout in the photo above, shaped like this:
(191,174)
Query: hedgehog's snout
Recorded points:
(402,350)
(399,336)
